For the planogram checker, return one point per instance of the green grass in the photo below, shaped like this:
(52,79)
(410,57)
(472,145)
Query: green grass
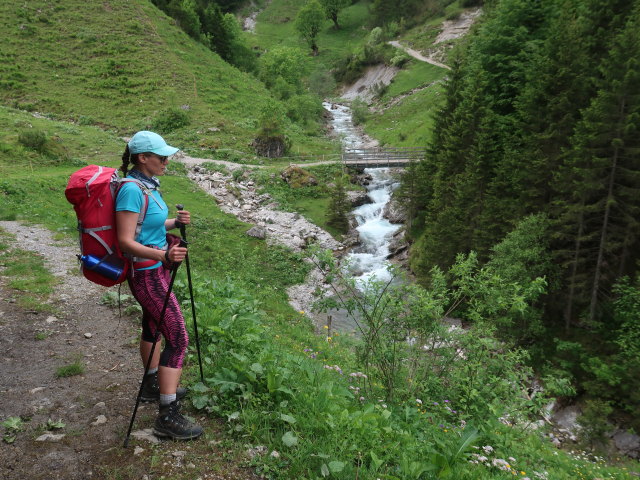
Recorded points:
(310,201)
(42,335)
(75,368)
(408,123)
(276,27)
(119,66)
(415,75)
(422,36)
(26,273)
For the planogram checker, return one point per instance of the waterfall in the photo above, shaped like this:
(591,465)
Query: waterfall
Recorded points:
(369,258)
(375,232)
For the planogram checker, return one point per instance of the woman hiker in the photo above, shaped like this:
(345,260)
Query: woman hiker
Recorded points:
(148,153)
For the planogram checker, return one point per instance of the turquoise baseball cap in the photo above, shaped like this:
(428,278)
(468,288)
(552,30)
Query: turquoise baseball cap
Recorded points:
(145,141)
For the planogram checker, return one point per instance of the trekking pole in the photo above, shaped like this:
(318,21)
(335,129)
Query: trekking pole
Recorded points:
(183,234)
(153,347)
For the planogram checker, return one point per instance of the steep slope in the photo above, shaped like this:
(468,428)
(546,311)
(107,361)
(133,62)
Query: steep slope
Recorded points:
(122,64)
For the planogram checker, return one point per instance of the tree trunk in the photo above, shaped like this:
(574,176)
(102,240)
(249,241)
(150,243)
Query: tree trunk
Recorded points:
(605,223)
(568,312)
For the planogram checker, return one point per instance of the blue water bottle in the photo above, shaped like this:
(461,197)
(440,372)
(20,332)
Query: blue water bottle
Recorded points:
(99,265)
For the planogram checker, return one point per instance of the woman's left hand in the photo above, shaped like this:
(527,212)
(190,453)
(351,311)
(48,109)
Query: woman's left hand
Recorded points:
(183,217)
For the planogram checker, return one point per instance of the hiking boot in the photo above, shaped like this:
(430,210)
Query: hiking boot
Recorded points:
(171,423)
(151,389)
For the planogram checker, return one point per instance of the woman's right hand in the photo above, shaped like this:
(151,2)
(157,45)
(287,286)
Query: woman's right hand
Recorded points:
(177,254)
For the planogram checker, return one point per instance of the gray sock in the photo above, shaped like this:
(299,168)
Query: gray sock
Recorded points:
(167,398)
(151,371)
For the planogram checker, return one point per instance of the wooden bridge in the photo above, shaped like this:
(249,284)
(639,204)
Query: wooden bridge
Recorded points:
(382,157)
(365,157)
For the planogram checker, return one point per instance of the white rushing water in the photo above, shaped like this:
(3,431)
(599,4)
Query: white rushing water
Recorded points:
(369,258)
(343,125)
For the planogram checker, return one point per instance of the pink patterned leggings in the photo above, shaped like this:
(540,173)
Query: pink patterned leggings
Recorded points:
(150,287)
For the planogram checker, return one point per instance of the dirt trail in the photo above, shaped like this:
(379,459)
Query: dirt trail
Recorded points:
(417,55)
(451,30)
(95,407)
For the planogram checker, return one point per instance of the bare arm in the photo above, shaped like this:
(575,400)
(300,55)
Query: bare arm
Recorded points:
(126,224)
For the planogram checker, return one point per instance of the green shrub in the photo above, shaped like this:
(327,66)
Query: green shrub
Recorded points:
(85,120)
(322,83)
(455,15)
(595,423)
(33,139)
(304,109)
(170,120)
(359,111)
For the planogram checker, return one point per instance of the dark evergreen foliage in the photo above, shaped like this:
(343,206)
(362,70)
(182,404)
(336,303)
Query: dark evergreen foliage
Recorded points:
(540,116)
(206,22)
(339,205)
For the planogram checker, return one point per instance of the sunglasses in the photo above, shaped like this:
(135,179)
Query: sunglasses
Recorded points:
(159,157)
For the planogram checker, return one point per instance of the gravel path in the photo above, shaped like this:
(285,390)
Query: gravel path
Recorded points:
(95,406)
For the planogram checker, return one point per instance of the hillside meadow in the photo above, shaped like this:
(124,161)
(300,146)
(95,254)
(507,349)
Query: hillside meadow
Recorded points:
(125,66)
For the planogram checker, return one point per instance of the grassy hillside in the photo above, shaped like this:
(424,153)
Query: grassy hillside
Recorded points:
(122,65)
(405,112)
(276,27)
(403,116)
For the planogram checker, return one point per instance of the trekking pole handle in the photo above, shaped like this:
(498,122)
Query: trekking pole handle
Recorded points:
(183,229)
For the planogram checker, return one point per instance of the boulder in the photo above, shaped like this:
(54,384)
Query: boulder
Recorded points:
(627,443)
(397,245)
(271,146)
(257,232)
(394,212)
(297,177)
(358,198)
(567,418)
(362,179)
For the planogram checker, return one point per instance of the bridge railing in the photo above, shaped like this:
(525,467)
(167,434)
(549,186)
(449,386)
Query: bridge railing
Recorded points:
(366,157)
(379,157)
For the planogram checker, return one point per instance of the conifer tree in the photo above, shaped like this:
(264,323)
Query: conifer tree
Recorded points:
(213,26)
(605,164)
(339,206)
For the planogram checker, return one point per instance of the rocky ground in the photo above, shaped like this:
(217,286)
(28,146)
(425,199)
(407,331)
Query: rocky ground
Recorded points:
(91,410)
(240,198)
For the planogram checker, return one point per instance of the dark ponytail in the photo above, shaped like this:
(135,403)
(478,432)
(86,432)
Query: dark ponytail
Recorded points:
(127,158)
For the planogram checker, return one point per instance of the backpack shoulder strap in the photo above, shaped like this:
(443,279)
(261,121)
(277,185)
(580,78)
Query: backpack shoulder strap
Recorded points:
(145,202)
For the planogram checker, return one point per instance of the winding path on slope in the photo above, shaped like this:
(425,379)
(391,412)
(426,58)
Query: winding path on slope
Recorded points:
(417,55)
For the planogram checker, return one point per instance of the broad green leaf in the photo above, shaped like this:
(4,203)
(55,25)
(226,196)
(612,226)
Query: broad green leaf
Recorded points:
(200,401)
(287,418)
(12,423)
(200,388)
(289,439)
(257,368)
(336,466)
(376,461)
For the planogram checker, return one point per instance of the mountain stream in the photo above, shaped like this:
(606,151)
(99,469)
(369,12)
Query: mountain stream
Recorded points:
(369,258)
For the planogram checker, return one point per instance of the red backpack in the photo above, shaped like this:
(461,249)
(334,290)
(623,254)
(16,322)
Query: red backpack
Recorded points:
(92,191)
